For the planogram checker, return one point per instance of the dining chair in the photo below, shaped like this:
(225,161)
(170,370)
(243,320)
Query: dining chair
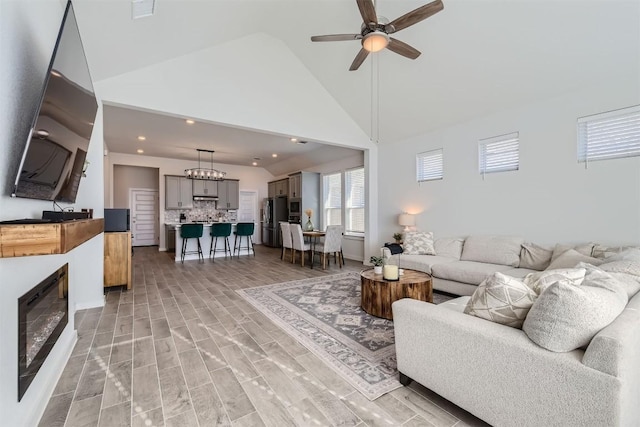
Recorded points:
(298,243)
(332,244)
(287,242)
(191,231)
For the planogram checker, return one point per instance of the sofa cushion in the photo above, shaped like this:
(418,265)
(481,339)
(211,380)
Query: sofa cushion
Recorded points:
(630,283)
(504,250)
(502,299)
(566,317)
(449,247)
(570,259)
(466,271)
(418,243)
(583,248)
(457,304)
(627,262)
(535,257)
(422,263)
(539,281)
(604,252)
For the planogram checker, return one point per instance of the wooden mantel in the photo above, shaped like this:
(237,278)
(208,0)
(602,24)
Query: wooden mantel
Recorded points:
(18,240)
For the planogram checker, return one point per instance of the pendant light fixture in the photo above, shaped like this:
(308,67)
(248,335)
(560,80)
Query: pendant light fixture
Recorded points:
(210,174)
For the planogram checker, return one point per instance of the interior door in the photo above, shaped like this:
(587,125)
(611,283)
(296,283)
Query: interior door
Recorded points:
(248,210)
(144,217)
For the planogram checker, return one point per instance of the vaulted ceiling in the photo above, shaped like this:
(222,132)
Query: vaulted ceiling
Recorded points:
(478,56)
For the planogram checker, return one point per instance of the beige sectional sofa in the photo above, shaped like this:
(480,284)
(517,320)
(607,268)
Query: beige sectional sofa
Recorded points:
(498,372)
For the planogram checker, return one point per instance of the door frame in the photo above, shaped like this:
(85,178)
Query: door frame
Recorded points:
(256,212)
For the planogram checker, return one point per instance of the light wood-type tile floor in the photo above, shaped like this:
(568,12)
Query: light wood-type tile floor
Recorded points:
(183,349)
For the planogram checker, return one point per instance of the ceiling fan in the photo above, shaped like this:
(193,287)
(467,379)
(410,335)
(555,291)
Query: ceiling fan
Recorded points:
(374,34)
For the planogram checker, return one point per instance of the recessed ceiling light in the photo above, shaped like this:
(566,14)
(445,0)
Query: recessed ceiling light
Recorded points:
(294,139)
(55,73)
(189,121)
(142,138)
(274,155)
(140,151)
(255,163)
(42,133)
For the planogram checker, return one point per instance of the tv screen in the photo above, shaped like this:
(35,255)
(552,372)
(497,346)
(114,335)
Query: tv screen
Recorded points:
(54,157)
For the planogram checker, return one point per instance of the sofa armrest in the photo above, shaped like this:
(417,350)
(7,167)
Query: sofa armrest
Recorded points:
(479,365)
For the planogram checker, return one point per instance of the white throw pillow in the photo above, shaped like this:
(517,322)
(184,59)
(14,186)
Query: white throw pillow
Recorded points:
(566,317)
(570,258)
(583,248)
(629,282)
(535,257)
(449,247)
(540,281)
(418,243)
(627,262)
(503,250)
(501,299)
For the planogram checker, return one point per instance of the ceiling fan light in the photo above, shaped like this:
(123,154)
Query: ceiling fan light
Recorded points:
(375,41)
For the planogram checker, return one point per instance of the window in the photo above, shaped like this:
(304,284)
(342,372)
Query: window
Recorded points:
(354,200)
(332,191)
(343,200)
(499,154)
(429,165)
(609,135)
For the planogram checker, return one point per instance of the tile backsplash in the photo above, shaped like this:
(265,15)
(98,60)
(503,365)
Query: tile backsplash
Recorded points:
(203,210)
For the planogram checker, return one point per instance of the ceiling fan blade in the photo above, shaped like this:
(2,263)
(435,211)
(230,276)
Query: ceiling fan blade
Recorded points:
(335,37)
(368,12)
(415,16)
(360,57)
(401,48)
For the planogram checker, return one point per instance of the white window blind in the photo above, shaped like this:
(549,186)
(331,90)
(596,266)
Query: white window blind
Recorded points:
(429,165)
(499,153)
(354,200)
(332,191)
(609,135)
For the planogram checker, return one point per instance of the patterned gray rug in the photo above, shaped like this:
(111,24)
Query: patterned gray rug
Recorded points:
(324,315)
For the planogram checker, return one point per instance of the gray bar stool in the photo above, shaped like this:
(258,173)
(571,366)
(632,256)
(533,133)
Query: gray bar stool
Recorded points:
(244,229)
(222,230)
(191,231)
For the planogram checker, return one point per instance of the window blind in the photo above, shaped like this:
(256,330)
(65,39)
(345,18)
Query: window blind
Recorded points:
(354,200)
(332,190)
(429,165)
(609,135)
(499,153)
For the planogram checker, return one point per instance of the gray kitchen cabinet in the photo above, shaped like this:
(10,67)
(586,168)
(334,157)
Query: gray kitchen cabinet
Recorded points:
(228,194)
(272,189)
(282,187)
(178,192)
(295,186)
(204,188)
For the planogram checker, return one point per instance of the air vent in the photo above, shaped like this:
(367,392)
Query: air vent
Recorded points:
(302,142)
(142,8)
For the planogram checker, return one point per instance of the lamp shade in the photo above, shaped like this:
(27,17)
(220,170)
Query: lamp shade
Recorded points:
(406,220)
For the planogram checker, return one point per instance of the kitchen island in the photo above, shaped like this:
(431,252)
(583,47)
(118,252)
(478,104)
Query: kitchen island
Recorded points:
(205,242)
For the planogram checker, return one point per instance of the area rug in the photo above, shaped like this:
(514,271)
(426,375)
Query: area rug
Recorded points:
(324,315)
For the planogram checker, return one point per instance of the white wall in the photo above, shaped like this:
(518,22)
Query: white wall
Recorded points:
(127,177)
(251,178)
(552,198)
(28,30)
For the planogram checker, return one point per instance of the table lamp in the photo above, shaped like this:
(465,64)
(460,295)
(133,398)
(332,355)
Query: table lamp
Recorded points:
(406,220)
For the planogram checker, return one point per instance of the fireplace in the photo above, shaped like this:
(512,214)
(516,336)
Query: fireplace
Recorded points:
(43,313)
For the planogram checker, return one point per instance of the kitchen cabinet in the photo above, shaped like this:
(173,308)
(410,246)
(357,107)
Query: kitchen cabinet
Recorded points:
(272,189)
(203,188)
(117,259)
(178,192)
(228,194)
(295,186)
(170,238)
(282,187)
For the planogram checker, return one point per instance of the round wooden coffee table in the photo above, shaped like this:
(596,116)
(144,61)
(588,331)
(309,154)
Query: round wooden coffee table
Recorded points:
(378,294)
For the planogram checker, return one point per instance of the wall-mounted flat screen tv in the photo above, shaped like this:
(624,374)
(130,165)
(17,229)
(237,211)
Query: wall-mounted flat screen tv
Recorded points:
(55,154)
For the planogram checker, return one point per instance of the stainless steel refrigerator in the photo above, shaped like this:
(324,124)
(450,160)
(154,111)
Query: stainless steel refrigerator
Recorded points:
(274,210)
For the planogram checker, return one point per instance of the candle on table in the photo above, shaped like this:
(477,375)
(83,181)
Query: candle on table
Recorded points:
(390,272)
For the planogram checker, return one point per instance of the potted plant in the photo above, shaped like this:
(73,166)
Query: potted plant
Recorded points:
(377,262)
(397,237)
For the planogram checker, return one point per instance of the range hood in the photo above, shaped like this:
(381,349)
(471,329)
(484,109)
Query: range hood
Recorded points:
(203,197)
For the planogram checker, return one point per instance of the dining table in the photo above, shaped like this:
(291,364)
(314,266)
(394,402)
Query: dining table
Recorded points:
(313,236)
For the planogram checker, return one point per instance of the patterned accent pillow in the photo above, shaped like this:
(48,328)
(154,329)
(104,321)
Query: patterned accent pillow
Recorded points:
(502,299)
(540,281)
(418,243)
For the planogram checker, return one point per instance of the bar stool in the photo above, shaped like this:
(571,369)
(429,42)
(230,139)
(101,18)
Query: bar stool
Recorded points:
(191,231)
(244,229)
(223,230)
